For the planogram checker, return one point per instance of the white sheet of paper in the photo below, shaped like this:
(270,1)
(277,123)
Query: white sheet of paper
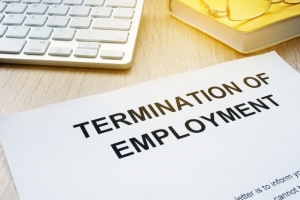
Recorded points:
(253,155)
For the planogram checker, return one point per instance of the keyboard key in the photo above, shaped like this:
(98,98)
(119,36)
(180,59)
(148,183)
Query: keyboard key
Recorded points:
(51,2)
(2,7)
(60,51)
(1,17)
(112,24)
(11,1)
(89,45)
(36,9)
(86,53)
(17,32)
(36,20)
(124,13)
(13,46)
(101,12)
(111,54)
(36,47)
(14,19)
(121,3)
(102,36)
(15,8)
(66,34)
(41,33)
(2,30)
(73,2)
(31,1)
(59,10)
(80,11)
(80,22)
(94,2)
(58,21)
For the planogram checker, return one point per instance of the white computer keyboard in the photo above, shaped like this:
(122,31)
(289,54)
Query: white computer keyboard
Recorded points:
(76,33)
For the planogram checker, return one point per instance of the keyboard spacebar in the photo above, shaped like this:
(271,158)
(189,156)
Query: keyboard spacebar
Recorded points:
(102,36)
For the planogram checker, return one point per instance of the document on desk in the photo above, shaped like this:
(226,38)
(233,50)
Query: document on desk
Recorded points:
(225,132)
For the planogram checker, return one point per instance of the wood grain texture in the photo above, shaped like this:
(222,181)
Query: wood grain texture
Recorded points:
(165,46)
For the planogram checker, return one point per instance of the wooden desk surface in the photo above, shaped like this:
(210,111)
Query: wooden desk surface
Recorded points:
(165,46)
